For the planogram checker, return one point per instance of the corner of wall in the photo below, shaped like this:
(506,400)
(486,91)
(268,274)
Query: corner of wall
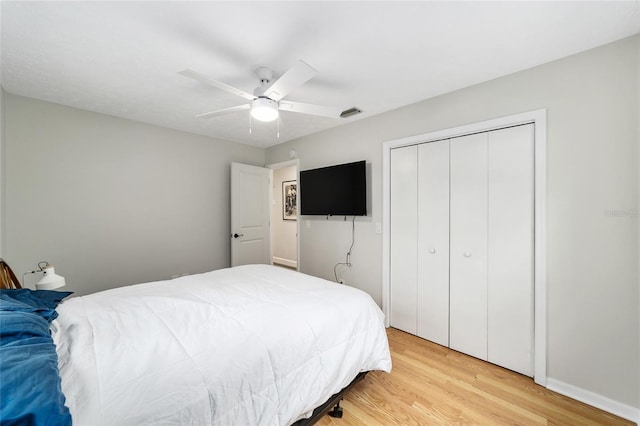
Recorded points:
(638,206)
(2,169)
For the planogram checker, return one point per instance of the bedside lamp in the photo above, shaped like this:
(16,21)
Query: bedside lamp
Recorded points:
(50,280)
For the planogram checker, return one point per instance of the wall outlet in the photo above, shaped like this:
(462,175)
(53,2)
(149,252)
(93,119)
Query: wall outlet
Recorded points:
(378,228)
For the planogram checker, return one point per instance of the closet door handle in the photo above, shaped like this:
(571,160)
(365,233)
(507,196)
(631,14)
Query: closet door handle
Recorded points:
(467,254)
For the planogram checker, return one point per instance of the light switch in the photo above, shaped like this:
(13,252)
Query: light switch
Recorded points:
(378,228)
(307,224)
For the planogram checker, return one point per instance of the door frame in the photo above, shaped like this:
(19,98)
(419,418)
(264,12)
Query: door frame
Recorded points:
(276,166)
(539,119)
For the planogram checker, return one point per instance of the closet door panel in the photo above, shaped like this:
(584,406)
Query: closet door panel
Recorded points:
(404,238)
(433,242)
(468,239)
(510,248)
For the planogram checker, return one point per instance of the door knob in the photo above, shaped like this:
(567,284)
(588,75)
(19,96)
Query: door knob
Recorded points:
(467,254)
(432,251)
(237,235)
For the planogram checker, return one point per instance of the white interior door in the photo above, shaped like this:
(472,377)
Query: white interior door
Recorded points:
(468,252)
(250,214)
(461,237)
(404,238)
(433,242)
(497,279)
(510,248)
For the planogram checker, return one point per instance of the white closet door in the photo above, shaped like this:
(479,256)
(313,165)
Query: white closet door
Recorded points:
(404,238)
(510,248)
(468,252)
(433,242)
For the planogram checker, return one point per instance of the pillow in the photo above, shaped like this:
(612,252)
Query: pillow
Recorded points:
(29,381)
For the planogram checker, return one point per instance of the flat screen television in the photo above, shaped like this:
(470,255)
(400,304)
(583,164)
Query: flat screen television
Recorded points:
(336,190)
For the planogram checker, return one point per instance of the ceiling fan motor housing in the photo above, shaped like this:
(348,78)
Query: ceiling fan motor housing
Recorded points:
(264,75)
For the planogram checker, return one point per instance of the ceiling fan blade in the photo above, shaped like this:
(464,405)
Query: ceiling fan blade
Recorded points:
(296,76)
(323,111)
(224,111)
(215,83)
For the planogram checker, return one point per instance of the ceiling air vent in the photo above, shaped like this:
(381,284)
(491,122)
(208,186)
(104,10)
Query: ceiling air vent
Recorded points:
(349,112)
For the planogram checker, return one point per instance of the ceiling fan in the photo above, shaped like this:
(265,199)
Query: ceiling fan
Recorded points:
(266,100)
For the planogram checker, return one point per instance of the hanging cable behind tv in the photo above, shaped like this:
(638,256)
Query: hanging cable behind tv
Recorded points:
(347,261)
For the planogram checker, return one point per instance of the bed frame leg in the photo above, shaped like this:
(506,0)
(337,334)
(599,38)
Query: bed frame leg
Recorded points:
(337,411)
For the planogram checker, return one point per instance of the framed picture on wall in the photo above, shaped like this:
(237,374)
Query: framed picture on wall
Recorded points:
(289,200)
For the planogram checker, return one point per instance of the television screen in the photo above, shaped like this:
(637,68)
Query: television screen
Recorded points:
(336,190)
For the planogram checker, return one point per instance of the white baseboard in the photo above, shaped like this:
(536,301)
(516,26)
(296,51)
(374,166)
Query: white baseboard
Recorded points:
(285,262)
(614,407)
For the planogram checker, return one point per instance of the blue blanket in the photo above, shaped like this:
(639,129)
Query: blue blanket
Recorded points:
(30,392)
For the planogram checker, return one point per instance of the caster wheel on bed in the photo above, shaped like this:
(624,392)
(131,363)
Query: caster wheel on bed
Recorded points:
(336,412)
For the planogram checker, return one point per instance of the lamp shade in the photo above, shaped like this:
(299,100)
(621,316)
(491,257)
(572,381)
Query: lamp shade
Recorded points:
(51,280)
(264,109)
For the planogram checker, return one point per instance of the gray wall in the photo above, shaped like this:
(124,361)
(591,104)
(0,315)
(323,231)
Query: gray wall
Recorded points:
(638,215)
(1,172)
(592,172)
(112,202)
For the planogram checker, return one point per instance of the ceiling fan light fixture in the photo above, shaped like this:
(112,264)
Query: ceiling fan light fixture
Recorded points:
(264,109)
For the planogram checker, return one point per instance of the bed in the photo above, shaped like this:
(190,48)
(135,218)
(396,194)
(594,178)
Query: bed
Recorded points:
(249,345)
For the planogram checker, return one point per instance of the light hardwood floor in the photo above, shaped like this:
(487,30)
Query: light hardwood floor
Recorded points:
(434,385)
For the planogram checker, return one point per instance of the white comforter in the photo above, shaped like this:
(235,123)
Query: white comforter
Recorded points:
(251,345)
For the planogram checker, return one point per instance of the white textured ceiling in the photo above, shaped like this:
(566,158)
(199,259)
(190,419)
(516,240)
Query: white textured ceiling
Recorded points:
(122,58)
